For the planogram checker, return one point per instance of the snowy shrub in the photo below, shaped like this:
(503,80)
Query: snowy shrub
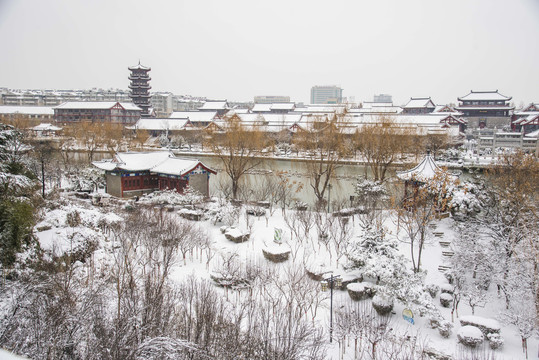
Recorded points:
(487,326)
(361,291)
(73,219)
(382,304)
(434,321)
(495,341)
(446,299)
(432,289)
(445,328)
(276,253)
(172,197)
(446,289)
(470,336)
(236,235)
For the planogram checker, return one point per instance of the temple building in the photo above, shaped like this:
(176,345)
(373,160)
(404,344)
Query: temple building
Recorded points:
(526,120)
(140,88)
(486,109)
(419,106)
(132,174)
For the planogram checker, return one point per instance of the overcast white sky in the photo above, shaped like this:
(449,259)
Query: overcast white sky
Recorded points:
(238,49)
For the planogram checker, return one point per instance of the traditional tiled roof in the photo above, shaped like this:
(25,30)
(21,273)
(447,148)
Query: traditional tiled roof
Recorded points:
(160,124)
(261,108)
(179,167)
(161,162)
(96,105)
(139,67)
(133,161)
(425,170)
(484,96)
(214,105)
(423,102)
(283,106)
(194,116)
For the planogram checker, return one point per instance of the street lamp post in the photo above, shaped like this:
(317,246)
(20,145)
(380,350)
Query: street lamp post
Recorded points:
(332,281)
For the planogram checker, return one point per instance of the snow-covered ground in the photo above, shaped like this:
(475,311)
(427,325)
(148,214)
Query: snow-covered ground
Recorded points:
(57,234)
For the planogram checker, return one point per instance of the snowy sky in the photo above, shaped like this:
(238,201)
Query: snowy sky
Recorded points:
(237,49)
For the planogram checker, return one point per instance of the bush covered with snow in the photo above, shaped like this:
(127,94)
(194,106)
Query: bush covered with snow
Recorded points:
(446,289)
(276,253)
(470,336)
(446,299)
(445,328)
(172,197)
(487,326)
(361,291)
(382,304)
(432,289)
(495,341)
(236,235)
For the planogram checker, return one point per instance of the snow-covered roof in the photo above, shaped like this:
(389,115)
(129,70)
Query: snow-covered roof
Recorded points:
(423,102)
(134,161)
(528,118)
(46,127)
(162,162)
(214,105)
(177,166)
(326,109)
(194,116)
(162,124)
(377,110)
(372,104)
(27,110)
(283,106)
(484,95)
(100,105)
(139,67)
(533,134)
(425,170)
(261,108)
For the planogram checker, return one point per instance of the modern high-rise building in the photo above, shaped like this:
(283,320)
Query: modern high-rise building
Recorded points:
(326,95)
(383,98)
(140,88)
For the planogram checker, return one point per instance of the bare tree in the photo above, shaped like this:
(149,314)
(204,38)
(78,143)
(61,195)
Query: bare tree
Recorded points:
(382,143)
(324,146)
(238,148)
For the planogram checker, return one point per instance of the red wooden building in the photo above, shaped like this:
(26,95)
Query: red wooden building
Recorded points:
(136,173)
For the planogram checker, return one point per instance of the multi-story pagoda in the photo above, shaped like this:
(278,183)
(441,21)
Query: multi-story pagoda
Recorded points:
(140,88)
(486,108)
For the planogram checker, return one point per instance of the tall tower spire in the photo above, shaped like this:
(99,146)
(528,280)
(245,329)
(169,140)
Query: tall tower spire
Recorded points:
(140,88)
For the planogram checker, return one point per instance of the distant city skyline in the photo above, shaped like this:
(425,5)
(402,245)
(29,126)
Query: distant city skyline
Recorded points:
(241,49)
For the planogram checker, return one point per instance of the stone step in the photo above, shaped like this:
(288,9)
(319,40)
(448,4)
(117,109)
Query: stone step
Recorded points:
(443,268)
(448,253)
(445,244)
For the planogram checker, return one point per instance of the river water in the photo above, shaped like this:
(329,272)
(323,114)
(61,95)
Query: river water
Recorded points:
(342,186)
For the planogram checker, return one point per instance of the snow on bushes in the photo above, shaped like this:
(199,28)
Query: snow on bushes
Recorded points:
(361,291)
(446,299)
(235,235)
(445,328)
(276,252)
(172,197)
(495,341)
(383,304)
(470,336)
(487,326)
(432,289)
